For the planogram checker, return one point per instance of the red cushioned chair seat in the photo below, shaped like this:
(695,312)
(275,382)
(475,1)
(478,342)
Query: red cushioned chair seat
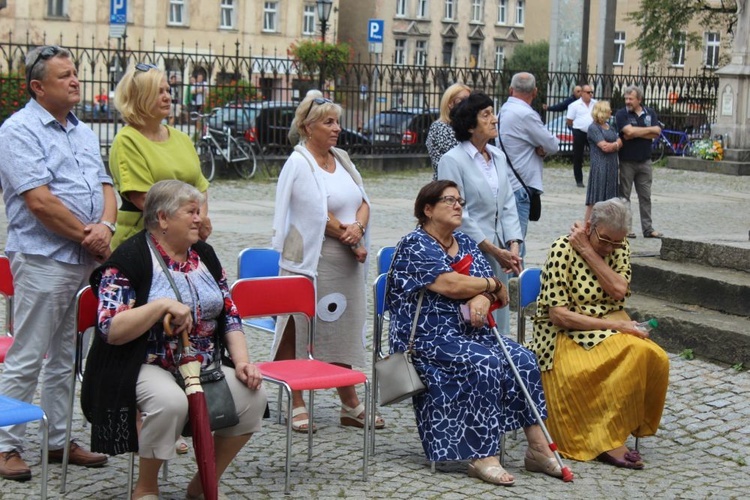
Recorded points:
(310,374)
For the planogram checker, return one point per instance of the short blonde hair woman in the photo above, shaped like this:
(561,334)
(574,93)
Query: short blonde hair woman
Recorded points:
(604,143)
(147,151)
(441,138)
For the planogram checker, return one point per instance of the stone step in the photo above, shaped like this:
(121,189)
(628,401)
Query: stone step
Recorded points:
(722,290)
(698,165)
(719,337)
(730,256)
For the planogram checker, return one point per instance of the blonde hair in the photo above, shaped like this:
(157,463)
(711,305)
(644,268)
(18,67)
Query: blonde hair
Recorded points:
(599,113)
(308,112)
(448,96)
(136,93)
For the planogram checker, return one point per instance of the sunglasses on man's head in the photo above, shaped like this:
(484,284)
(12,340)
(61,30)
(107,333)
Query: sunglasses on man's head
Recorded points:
(145,67)
(318,101)
(44,54)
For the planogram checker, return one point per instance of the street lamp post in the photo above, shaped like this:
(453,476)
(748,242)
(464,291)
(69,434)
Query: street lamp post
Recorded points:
(324,12)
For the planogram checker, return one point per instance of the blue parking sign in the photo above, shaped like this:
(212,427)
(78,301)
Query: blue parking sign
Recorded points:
(375,30)
(118,12)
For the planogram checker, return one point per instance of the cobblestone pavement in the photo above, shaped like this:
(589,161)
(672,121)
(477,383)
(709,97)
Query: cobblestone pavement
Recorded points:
(701,449)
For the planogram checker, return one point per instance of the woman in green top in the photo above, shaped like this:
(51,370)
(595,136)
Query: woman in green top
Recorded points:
(146,151)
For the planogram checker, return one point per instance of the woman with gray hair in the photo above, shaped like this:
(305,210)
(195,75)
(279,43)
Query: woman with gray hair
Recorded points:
(320,230)
(165,269)
(603,378)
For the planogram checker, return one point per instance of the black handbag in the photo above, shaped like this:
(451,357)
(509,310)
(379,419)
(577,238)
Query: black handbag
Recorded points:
(535,196)
(221,409)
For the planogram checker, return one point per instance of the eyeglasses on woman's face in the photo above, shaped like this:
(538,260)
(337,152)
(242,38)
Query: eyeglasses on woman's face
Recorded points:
(318,101)
(607,241)
(44,54)
(452,200)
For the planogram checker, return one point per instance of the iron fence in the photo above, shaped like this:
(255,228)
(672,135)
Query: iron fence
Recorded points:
(364,89)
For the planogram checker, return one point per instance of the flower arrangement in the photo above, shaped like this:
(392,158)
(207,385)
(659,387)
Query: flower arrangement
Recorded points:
(12,94)
(708,149)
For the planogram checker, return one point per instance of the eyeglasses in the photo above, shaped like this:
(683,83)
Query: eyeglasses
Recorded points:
(452,200)
(318,101)
(145,67)
(614,244)
(44,54)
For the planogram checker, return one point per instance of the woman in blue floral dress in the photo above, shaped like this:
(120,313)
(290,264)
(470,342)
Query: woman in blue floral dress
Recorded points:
(472,397)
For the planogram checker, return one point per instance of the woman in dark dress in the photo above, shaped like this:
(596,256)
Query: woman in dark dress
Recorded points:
(604,143)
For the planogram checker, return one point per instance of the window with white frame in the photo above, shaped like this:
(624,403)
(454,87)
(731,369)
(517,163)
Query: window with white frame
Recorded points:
(477,11)
(57,8)
(447,53)
(499,57)
(422,8)
(713,43)
(678,50)
(520,12)
(308,20)
(228,8)
(502,11)
(401,7)
(399,54)
(271,16)
(178,12)
(450,9)
(619,56)
(420,53)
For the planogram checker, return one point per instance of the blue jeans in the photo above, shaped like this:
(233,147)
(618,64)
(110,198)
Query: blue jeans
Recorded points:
(523,206)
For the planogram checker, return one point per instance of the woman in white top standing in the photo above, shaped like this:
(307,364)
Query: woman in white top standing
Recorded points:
(320,226)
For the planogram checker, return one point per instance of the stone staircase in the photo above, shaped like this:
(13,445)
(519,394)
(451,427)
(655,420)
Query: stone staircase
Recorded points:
(700,294)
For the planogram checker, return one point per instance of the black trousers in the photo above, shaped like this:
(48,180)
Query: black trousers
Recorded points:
(580,141)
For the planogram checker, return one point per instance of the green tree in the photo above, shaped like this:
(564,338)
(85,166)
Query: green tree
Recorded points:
(659,20)
(532,58)
(312,56)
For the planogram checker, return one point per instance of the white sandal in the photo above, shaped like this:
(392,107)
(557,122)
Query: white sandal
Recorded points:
(301,425)
(350,417)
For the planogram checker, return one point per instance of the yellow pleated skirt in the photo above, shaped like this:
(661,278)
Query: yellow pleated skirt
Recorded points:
(597,398)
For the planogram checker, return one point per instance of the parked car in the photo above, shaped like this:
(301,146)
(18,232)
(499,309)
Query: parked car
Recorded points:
(560,129)
(264,122)
(354,142)
(91,112)
(405,126)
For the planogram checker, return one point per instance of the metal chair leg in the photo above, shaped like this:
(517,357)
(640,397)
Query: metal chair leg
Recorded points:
(45,455)
(68,431)
(131,470)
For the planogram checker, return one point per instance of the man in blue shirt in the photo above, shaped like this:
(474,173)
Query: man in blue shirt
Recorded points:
(61,209)
(638,126)
(525,141)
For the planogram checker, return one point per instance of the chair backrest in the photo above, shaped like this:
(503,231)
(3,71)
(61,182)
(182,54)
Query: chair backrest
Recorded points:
(529,285)
(87,305)
(7,291)
(385,256)
(257,263)
(274,296)
(378,294)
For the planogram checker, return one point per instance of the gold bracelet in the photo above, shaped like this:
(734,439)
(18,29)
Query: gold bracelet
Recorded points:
(361,227)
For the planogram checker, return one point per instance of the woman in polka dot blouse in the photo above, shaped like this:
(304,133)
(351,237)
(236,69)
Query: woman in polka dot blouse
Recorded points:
(603,378)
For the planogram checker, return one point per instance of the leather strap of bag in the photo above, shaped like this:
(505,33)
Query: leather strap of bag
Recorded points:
(510,164)
(410,347)
(168,274)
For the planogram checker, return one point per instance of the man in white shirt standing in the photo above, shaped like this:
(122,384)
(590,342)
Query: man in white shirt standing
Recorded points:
(525,141)
(579,117)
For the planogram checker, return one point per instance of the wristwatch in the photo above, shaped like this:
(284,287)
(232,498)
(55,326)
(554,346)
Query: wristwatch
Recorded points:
(112,227)
(510,242)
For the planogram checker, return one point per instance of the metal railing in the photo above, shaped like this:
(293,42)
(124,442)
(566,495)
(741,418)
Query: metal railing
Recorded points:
(364,89)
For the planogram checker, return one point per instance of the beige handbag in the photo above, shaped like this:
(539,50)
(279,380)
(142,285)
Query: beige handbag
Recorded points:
(397,377)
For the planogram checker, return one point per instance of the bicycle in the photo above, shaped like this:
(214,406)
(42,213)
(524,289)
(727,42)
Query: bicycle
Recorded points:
(673,142)
(214,144)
